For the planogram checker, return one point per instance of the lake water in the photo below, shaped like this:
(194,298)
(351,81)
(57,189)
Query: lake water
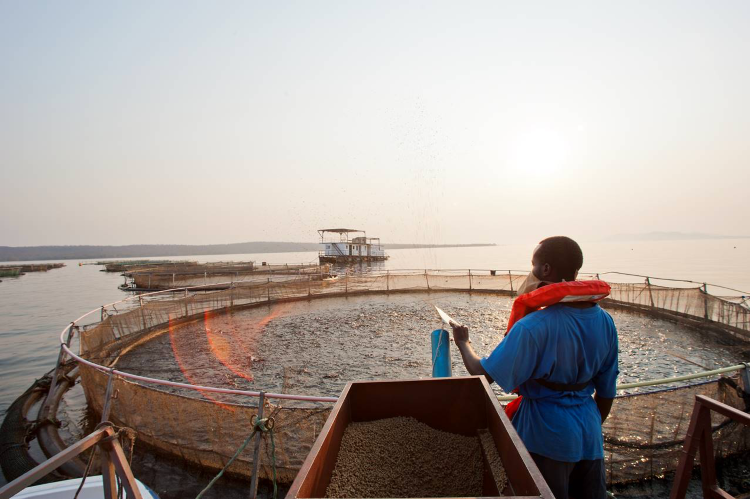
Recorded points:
(34,308)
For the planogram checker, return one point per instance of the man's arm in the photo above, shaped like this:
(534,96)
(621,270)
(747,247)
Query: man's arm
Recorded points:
(604,405)
(470,358)
(605,382)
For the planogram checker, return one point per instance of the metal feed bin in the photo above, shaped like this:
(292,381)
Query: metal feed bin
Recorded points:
(457,405)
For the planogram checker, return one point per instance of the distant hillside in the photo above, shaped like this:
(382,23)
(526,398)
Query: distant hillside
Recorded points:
(21,253)
(670,236)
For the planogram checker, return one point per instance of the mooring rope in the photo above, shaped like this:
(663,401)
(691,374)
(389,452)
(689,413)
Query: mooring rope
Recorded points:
(128,433)
(86,472)
(264,425)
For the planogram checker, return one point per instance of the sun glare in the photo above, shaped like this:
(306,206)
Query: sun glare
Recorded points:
(538,151)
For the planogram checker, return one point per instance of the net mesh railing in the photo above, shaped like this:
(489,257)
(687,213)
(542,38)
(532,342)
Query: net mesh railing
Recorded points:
(223,275)
(643,435)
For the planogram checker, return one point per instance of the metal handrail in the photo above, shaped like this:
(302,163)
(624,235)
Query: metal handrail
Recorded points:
(69,330)
(394,272)
(675,280)
(200,388)
(256,271)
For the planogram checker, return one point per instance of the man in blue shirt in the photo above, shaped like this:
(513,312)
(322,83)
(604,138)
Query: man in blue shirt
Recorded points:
(557,357)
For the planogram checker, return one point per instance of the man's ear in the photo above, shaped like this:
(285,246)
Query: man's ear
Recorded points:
(546,270)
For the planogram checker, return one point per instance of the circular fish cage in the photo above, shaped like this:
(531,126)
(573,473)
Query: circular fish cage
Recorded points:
(186,366)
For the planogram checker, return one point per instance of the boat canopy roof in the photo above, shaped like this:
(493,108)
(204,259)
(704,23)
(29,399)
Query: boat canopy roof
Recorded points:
(340,231)
(343,233)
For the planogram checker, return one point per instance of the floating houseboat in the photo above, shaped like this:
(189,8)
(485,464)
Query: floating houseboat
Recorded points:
(343,249)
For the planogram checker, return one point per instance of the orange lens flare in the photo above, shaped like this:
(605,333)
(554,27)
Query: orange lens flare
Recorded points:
(178,349)
(229,348)
(224,347)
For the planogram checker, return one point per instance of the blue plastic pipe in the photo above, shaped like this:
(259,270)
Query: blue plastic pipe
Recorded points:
(441,354)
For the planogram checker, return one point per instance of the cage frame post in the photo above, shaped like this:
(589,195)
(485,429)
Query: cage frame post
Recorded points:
(650,294)
(256,450)
(143,315)
(704,289)
(58,365)
(108,397)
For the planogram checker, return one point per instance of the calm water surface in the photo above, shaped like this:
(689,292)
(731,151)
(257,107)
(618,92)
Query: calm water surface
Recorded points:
(34,308)
(316,347)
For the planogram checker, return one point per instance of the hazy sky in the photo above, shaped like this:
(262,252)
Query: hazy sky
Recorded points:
(214,122)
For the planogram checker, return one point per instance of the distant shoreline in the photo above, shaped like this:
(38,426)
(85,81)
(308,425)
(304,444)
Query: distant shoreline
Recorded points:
(29,253)
(669,236)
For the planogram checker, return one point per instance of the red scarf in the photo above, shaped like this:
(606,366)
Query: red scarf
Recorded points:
(559,292)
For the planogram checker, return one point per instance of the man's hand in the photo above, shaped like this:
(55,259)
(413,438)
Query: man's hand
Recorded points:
(460,333)
(471,360)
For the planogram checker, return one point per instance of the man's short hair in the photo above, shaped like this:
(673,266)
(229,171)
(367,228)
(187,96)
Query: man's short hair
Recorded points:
(562,254)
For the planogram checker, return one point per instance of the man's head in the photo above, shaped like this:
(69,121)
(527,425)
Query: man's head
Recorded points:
(557,259)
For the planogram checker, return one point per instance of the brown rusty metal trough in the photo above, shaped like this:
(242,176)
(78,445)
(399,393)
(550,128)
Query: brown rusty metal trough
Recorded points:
(457,405)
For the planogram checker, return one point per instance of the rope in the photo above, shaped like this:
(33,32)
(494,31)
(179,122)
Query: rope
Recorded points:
(128,433)
(264,425)
(273,455)
(86,471)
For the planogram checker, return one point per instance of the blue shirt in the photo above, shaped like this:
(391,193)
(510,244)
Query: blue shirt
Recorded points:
(564,345)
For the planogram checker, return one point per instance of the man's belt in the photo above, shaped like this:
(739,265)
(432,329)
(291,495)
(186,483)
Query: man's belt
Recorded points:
(561,387)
